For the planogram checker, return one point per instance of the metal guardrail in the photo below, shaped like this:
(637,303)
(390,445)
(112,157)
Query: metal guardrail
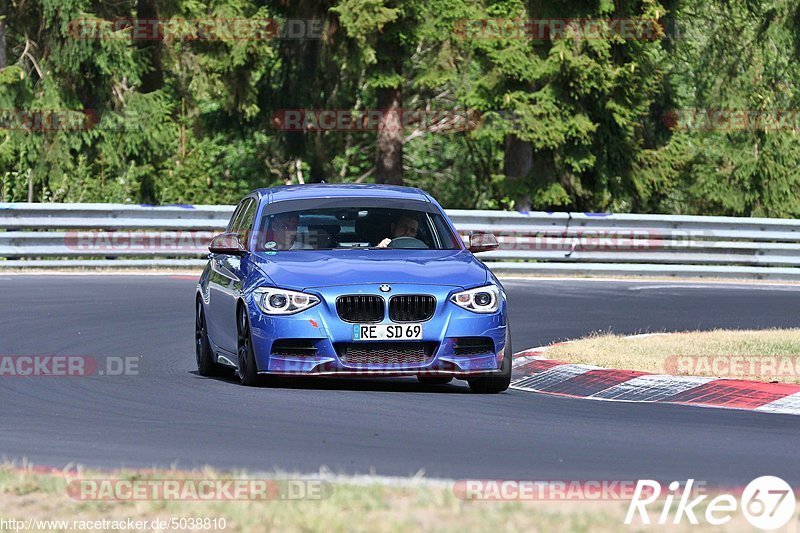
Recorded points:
(112,235)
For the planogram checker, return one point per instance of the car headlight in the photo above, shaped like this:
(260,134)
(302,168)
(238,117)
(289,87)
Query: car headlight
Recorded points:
(274,301)
(481,300)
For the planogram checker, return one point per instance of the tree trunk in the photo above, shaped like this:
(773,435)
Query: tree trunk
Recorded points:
(517,165)
(5,9)
(389,144)
(306,59)
(390,52)
(519,155)
(3,60)
(153,78)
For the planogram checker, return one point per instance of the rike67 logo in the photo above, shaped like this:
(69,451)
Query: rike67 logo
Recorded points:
(767,502)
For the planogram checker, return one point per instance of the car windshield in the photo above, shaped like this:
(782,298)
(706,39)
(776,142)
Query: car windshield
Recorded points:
(354,226)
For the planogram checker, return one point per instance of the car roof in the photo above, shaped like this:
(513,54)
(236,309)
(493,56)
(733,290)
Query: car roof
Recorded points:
(341,190)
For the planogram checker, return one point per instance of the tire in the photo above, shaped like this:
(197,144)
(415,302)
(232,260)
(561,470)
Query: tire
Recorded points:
(246,370)
(435,380)
(497,383)
(206,366)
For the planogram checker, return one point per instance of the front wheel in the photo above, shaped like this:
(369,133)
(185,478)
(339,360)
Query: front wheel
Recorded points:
(499,382)
(246,370)
(206,366)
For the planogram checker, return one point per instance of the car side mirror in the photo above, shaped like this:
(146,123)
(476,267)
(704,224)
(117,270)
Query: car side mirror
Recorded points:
(226,243)
(482,242)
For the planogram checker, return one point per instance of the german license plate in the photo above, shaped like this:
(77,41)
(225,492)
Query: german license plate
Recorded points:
(385,332)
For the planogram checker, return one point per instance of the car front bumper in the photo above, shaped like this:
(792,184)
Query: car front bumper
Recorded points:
(322,328)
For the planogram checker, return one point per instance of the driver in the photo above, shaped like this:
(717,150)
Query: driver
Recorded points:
(402,226)
(284,232)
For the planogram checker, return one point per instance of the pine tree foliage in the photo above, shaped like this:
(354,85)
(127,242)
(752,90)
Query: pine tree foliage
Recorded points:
(698,116)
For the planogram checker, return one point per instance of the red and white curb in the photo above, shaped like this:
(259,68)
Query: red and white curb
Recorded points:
(533,372)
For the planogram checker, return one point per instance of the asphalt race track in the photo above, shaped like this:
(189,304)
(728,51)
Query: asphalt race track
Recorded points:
(169,416)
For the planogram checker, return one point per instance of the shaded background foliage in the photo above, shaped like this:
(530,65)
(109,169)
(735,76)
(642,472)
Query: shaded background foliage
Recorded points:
(566,123)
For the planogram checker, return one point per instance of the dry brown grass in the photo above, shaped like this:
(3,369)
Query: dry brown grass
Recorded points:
(352,505)
(763,355)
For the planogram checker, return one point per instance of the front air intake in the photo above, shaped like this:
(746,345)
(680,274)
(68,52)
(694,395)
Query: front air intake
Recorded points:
(386,353)
(294,348)
(473,346)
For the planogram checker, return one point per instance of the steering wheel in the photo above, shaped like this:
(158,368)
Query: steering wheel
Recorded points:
(407,242)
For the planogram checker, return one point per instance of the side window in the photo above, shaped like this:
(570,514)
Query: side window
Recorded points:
(236,218)
(245,228)
(448,240)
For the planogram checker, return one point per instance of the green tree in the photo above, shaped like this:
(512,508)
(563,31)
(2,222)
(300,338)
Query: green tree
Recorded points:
(733,148)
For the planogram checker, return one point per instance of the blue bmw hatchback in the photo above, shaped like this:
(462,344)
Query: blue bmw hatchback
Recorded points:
(350,280)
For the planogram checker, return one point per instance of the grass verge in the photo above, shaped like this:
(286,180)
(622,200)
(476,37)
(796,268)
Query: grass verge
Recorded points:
(771,355)
(349,504)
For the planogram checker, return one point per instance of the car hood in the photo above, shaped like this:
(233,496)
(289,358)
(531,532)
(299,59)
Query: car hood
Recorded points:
(299,269)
